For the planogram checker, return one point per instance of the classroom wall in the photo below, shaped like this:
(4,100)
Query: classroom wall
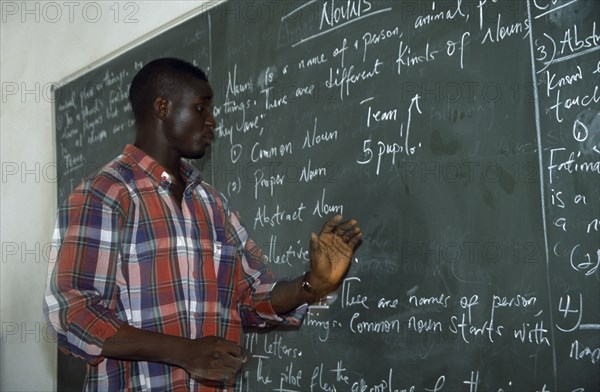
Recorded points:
(42,43)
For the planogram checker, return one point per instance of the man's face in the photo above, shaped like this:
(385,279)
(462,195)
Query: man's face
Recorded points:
(189,128)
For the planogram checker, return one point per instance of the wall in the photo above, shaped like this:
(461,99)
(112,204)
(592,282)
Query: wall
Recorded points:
(42,43)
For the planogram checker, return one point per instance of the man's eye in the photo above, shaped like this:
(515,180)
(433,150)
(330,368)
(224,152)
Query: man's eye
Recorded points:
(203,108)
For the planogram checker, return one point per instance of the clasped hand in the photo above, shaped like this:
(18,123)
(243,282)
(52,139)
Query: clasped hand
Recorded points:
(215,359)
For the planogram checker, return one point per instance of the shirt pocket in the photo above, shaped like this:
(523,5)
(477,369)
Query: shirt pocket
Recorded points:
(150,251)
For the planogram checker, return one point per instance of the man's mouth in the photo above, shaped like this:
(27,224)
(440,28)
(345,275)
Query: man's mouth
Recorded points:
(209,137)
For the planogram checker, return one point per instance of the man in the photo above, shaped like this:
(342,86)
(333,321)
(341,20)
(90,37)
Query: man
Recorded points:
(154,274)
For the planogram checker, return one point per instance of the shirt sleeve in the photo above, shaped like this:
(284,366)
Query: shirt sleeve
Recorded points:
(257,282)
(81,293)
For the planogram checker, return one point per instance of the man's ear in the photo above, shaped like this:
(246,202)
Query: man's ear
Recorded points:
(161,108)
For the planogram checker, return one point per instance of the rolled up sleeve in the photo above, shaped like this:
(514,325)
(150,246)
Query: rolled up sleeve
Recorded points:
(81,294)
(256,286)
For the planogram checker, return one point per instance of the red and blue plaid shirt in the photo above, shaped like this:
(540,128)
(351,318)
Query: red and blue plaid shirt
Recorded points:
(125,252)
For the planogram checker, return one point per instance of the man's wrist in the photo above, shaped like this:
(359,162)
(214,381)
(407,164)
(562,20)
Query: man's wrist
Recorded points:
(306,283)
(134,344)
(311,288)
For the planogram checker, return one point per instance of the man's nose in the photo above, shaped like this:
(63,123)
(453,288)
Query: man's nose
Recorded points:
(210,120)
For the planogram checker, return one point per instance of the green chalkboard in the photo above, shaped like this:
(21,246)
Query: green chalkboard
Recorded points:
(463,135)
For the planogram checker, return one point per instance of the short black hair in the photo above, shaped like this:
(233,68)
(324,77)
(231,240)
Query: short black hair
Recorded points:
(164,77)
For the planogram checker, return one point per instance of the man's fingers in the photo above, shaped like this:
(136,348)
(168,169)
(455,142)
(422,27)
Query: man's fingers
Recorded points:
(352,232)
(228,356)
(348,232)
(339,228)
(235,350)
(314,244)
(231,354)
(346,227)
(246,354)
(233,362)
(353,241)
(331,224)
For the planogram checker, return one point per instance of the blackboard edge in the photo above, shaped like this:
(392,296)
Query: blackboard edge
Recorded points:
(205,6)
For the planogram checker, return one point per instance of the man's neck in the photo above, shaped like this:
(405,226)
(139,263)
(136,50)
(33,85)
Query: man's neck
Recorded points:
(167,159)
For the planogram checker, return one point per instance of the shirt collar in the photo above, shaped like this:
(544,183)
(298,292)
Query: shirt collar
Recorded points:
(156,172)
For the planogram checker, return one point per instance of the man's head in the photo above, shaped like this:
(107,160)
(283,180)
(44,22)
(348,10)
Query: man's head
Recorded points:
(165,77)
(171,101)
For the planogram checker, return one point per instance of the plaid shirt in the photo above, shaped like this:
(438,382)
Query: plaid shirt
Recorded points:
(125,252)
